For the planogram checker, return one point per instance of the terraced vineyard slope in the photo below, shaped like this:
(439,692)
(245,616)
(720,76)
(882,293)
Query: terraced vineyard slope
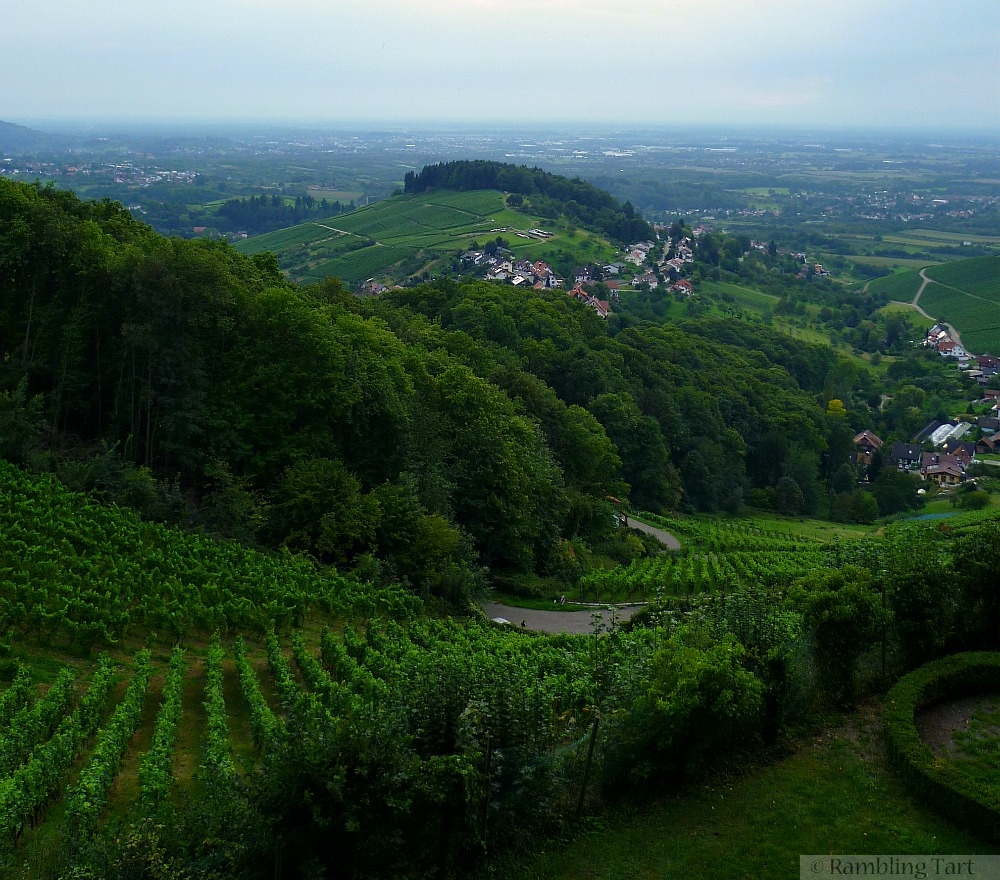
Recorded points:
(408,234)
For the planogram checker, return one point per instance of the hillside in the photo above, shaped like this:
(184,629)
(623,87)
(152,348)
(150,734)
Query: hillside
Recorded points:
(411,234)
(965,293)
(276,508)
(16,138)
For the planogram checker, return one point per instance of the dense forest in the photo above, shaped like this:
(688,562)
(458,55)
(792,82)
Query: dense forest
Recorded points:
(542,193)
(487,425)
(262,213)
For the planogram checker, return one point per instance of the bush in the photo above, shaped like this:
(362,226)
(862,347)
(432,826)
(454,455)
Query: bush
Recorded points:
(937,781)
(699,702)
(845,616)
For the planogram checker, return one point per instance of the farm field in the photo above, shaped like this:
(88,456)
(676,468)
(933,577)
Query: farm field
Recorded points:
(891,262)
(746,297)
(967,294)
(405,234)
(933,236)
(716,556)
(902,286)
(156,677)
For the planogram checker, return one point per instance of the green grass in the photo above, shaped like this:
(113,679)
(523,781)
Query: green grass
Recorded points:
(754,300)
(890,262)
(933,236)
(816,529)
(979,746)
(515,601)
(918,320)
(834,795)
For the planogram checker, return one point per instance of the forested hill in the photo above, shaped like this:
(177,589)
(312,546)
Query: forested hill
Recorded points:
(549,195)
(418,436)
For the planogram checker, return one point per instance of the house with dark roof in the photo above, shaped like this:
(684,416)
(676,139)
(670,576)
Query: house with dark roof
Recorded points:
(960,449)
(906,456)
(988,364)
(867,441)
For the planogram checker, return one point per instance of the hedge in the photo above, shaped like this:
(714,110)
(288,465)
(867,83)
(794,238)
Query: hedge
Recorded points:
(937,780)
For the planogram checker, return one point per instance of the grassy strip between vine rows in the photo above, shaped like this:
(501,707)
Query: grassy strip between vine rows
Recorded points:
(87,798)
(155,772)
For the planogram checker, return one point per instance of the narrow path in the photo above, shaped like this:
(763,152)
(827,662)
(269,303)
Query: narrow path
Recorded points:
(581,622)
(577,622)
(916,304)
(345,232)
(663,537)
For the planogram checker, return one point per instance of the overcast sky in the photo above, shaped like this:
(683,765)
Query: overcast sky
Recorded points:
(858,63)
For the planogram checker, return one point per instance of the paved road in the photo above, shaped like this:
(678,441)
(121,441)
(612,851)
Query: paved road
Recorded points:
(574,621)
(663,537)
(554,621)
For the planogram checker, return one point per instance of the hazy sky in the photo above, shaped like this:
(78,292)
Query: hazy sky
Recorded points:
(896,63)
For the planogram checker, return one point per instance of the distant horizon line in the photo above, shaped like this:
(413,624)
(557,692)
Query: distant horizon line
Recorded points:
(444,126)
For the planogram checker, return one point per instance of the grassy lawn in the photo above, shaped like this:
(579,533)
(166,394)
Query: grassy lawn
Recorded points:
(816,529)
(835,794)
(905,309)
(892,262)
(535,604)
(746,297)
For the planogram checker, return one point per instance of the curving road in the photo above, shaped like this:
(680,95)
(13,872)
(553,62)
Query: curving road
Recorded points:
(578,622)
(581,622)
(663,537)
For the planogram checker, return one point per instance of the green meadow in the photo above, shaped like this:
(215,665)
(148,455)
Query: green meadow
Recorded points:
(834,794)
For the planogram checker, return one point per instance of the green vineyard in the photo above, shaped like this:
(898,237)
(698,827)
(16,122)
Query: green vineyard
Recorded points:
(717,556)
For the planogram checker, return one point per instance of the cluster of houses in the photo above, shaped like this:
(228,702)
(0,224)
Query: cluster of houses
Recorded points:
(948,458)
(981,367)
(602,307)
(539,276)
(940,339)
(683,254)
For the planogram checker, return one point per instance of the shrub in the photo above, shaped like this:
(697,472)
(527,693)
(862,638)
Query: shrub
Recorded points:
(845,616)
(937,781)
(698,702)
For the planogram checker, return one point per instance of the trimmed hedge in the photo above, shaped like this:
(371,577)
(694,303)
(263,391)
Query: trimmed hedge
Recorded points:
(937,780)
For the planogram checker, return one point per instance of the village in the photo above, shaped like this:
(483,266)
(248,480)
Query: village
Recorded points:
(941,452)
(496,263)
